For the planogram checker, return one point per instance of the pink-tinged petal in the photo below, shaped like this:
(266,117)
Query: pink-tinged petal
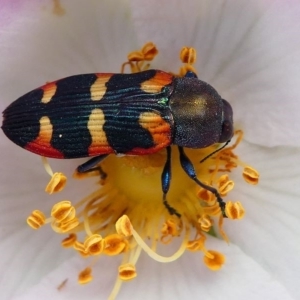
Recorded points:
(248,50)
(241,278)
(270,231)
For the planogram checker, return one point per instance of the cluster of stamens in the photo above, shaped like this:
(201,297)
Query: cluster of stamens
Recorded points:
(109,232)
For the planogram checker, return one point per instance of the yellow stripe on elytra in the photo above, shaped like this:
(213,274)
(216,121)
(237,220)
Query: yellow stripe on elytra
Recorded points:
(95,126)
(49,91)
(155,84)
(46,130)
(98,88)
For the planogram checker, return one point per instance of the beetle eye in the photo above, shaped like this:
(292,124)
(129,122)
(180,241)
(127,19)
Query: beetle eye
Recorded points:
(227,126)
(227,132)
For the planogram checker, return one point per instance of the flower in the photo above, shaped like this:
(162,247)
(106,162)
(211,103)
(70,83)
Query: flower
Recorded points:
(238,53)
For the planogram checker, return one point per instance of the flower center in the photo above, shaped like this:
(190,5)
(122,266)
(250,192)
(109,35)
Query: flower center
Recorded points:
(125,214)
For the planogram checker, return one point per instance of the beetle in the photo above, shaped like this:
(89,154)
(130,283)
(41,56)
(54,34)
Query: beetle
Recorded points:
(94,115)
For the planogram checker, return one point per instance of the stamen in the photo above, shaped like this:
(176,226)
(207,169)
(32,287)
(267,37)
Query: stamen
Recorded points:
(127,272)
(63,211)
(69,241)
(225,185)
(58,180)
(188,55)
(234,211)
(215,261)
(169,229)
(36,220)
(115,244)
(94,244)
(136,59)
(85,276)
(156,256)
(128,189)
(205,223)
(123,226)
(251,175)
(149,51)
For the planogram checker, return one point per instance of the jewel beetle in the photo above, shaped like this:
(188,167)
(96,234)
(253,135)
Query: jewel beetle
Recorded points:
(94,115)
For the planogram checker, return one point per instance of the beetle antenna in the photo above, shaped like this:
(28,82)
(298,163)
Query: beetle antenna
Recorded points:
(214,152)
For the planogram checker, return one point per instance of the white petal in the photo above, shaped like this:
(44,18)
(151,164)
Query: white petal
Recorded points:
(248,50)
(270,231)
(241,278)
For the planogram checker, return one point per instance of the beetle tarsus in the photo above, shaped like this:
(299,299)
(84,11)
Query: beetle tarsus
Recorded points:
(171,210)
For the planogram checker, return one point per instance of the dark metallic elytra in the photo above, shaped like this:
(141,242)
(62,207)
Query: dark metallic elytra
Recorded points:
(136,114)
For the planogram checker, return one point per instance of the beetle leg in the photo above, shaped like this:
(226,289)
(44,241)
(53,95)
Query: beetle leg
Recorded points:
(165,183)
(190,74)
(91,165)
(190,171)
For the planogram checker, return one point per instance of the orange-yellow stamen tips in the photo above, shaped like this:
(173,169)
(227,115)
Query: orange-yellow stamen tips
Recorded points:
(85,276)
(115,244)
(188,56)
(94,244)
(36,220)
(123,226)
(225,185)
(64,217)
(196,245)
(79,247)
(214,260)
(56,184)
(58,180)
(250,175)
(206,195)
(234,211)
(205,223)
(127,272)
(169,230)
(136,59)
(69,241)
(63,211)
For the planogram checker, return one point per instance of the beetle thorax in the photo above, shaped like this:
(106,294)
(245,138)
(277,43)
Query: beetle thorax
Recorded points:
(197,113)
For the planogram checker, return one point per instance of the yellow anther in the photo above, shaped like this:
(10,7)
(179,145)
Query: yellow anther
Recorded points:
(234,211)
(94,244)
(149,51)
(85,276)
(250,175)
(205,223)
(69,241)
(225,185)
(135,56)
(56,184)
(169,228)
(36,220)
(63,211)
(115,244)
(68,226)
(196,245)
(206,195)
(123,226)
(214,261)
(127,272)
(188,55)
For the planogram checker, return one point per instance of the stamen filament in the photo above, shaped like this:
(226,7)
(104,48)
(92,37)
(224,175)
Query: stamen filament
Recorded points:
(160,258)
